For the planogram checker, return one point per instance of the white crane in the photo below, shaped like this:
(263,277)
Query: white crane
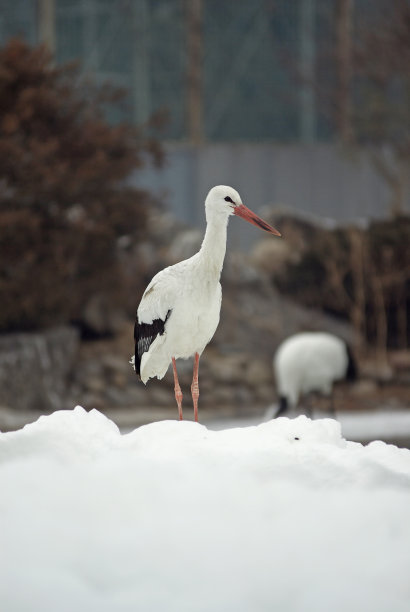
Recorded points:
(179,311)
(307,362)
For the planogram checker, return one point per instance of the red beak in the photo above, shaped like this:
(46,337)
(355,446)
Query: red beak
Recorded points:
(251,217)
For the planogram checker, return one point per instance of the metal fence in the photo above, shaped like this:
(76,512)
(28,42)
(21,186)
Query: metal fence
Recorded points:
(257,60)
(250,57)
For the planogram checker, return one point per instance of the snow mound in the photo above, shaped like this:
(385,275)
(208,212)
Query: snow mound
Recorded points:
(286,516)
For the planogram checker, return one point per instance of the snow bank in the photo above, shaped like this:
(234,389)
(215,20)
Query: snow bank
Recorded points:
(388,425)
(283,516)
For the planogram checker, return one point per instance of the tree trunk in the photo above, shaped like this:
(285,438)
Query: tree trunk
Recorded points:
(194,74)
(344,10)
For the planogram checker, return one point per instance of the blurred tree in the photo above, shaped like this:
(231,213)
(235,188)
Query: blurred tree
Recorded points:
(362,275)
(344,68)
(381,96)
(64,199)
(365,275)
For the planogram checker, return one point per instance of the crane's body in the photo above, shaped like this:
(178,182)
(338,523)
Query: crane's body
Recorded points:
(310,362)
(179,311)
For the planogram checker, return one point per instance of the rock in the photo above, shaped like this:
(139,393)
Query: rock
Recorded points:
(92,400)
(265,393)
(136,394)
(158,396)
(400,360)
(226,368)
(364,387)
(115,396)
(272,256)
(95,384)
(377,370)
(98,318)
(11,419)
(35,368)
(222,396)
(113,362)
(88,368)
(258,373)
(119,379)
(242,396)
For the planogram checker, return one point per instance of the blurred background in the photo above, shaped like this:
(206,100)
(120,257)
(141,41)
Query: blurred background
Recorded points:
(118,116)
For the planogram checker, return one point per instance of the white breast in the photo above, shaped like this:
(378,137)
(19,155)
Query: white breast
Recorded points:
(194,299)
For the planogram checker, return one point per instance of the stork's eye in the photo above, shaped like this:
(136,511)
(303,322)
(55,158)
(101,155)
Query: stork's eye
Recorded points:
(228,199)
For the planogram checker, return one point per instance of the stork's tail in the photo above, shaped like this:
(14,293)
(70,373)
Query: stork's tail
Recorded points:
(138,373)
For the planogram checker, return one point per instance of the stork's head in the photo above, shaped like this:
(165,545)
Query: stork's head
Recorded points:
(223,201)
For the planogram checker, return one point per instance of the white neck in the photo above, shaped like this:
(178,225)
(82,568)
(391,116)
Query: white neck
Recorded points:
(212,252)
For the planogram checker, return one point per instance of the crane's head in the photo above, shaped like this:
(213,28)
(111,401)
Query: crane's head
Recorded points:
(224,201)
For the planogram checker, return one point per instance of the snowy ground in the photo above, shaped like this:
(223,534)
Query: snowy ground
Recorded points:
(366,426)
(283,516)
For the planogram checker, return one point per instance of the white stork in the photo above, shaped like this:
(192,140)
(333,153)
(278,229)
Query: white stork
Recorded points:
(179,311)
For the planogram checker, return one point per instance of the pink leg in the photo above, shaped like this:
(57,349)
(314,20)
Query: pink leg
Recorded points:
(177,389)
(195,386)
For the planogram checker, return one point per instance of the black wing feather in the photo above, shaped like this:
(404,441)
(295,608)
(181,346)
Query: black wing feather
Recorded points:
(144,336)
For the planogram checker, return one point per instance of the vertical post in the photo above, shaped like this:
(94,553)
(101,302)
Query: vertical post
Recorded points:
(194,94)
(46,24)
(307,125)
(344,9)
(90,42)
(140,81)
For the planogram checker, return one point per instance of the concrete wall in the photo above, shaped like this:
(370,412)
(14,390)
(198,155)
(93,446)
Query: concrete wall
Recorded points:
(320,179)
